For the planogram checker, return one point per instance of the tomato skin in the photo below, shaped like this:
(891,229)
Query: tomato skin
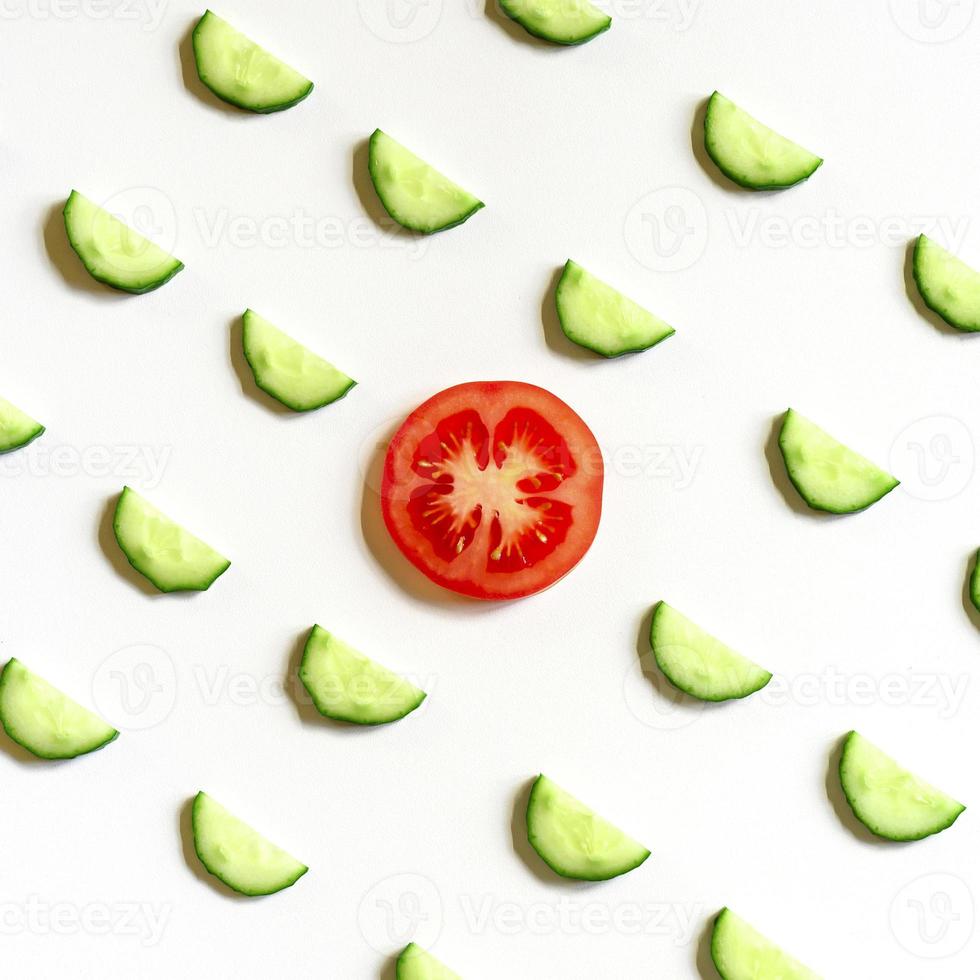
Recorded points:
(560,494)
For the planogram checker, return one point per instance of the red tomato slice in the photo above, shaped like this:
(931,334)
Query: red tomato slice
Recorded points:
(493,489)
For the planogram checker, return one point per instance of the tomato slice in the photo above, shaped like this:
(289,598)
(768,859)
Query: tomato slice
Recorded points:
(493,489)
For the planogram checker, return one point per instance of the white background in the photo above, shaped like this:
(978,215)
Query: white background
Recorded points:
(791,298)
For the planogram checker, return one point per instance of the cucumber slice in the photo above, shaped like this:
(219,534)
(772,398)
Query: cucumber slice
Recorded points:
(828,475)
(238,71)
(112,252)
(559,21)
(975,583)
(347,686)
(698,664)
(416,195)
(751,154)
(740,952)
(594,315)
(17,428)
(238,855)
(44,721)
(573,840)
(414,963)
(889,800)
(170,557)
(288,371)
(947,285)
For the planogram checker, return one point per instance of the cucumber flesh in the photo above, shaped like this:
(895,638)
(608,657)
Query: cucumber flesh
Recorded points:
(828,475)
(238,71)
(948,286)
(170,557)
(698,664)
(889,800)
(594,315)
(574,841)
(347,686)
(288,371)
(741,953)
(238,855)
(558,21)
(43,720)
(112,252)
(17,428)
(414,963)
(415,194)
(751,154)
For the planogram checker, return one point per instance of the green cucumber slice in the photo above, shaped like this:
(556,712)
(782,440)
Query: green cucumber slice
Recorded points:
(947,285)
(698,664)
(594,315)
(574,841)
(17,428)
(827,474)
(975,582)
(170,557)
(288,371)
(558,21)
(741,953)
(44,721)
(889,800)
(751,154)
(416,195)
(112,252)
(347,686)
(238,71)
(414,963)
(238,855)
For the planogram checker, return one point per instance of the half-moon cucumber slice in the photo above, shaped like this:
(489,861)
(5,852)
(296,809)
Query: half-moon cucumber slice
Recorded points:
(827,474)
(559,21)
(288,371)
(889,800)
(975,582)
(17,428)
(751,154)
(170,557)
(238,855)
(741,953)
(574,841)
(44,721)
(698,664)
(414,963)
(415,194)
(112,252)
(347,686)
(594,315)
(948,286)
(238,71)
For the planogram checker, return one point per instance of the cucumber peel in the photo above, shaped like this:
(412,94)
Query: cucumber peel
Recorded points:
(594,315)
(236,854)
(17,428)
(574,841)
(414,963)
(559,21)
(44,721)
(347,686)
(240,72)
(740,952)
(750,154)
(947,285)
(828,475)
(697,663)
(888,799)
(288,371)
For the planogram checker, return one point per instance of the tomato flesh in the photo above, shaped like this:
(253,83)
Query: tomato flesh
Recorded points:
(493,489)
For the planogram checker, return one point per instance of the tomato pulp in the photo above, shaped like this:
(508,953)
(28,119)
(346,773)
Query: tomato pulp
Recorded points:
(493,489)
